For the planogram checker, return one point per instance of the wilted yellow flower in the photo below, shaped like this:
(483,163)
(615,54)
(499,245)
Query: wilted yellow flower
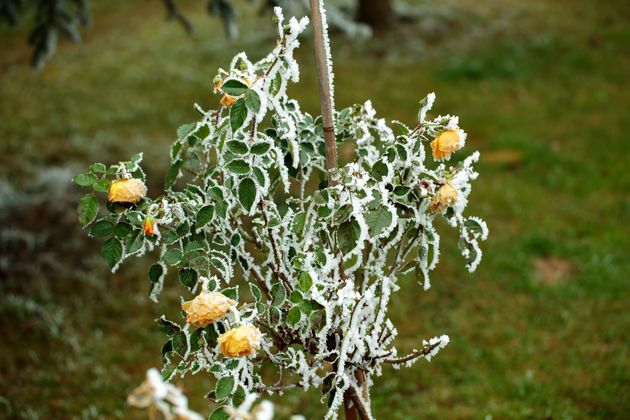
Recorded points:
(227,100)
(445,144)
(126,191)
(240,341)
(206,308)
(149,226)
(445,197)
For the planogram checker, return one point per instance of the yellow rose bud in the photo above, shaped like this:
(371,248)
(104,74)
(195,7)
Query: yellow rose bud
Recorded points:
(445,197)
(227,100)
(445,144)
(149,226)
(125,191)
(206,308)
(240,342)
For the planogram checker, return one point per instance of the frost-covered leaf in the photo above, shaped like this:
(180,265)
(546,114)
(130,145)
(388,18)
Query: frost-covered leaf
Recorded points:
(168,327)
(278,294)
(252,101)
(180,345)
(260,148)
(134,242)
(234,87)
(305,281)
(184,130)
(204,215)
(238,113)
(188,277)
(224,387)
(299,220)
(173,256)
(112,252)
(255,292)
(247,193)
(238,147)
(294,316)
(156,271)
(379,170)
(219,414)
(348,235)
(378,220)
(102,229)
(87,209)
(238,166)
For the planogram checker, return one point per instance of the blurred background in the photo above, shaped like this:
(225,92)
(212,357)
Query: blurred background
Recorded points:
(541,330)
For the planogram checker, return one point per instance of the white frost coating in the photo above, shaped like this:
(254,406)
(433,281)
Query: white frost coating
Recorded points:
(328,54)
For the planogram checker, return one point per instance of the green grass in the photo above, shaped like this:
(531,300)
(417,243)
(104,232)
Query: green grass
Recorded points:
(540,86)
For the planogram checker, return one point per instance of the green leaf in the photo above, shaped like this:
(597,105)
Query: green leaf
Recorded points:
(377,220)
(102,229)
(296,296)
(238,113)
(167,373)
(97,167)
(184,130)
(168,327)
(278,294)
(172,174)
(305,281)
(85,180)
(379,170)
(252,101)
(179,343)
(219,414)
(134,242)
(156,271)
(474,226)
(348,236)
(173,256)
(274,315)
(224,387)
(238,166)
(112,252)
(204,216)
(87,209)
(260,148)
(238,147)
(234,87)
(299,220)
(247,193)
(102,185)
(255,292)
(231,292)
(294,316)
(122,229)
(306,306)
(188,277)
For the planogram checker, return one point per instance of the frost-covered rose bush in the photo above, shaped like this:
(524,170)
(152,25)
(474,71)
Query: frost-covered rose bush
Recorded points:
(288,276)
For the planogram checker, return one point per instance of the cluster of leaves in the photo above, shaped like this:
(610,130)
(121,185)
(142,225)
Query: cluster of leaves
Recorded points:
(314,272)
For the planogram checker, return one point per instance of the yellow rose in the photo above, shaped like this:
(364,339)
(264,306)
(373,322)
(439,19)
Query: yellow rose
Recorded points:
(126,191)
(206,308)
(445,197)
(227,100)
(240,341)
(445,144)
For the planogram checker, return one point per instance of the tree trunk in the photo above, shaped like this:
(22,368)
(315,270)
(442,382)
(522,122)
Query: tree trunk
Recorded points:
(376,13)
